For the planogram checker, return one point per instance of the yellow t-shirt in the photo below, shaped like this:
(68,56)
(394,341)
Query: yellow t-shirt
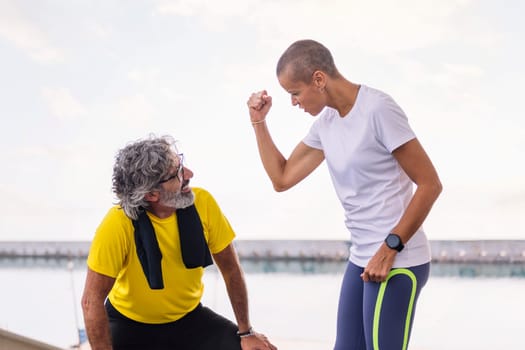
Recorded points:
(113,253)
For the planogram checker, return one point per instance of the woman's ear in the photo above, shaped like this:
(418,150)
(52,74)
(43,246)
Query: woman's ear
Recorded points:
(319,79)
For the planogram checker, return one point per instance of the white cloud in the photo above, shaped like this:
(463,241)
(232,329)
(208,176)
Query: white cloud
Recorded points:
(141,76)
(464,70)
(178,8)
(381,27)
(26,35)
(428,54)
(206,8)
(134,109)
(456,77)
(101,31)
(63,104)
(212,15)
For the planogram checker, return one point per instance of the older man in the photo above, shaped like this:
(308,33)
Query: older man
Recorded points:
(144,284)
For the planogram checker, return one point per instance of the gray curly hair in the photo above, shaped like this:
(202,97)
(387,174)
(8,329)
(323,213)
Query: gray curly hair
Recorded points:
(138,169)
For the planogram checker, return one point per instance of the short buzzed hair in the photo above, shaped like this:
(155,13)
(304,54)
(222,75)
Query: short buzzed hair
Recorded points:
(303,58)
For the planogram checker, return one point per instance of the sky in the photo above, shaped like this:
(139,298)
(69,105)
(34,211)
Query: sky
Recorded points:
(81,79)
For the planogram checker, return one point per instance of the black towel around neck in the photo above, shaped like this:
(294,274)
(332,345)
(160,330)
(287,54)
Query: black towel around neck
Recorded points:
(194,249)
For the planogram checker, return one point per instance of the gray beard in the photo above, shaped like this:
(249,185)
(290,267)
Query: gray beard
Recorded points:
(177,200)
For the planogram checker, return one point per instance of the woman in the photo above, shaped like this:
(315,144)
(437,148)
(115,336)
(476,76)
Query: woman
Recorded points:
(374,158)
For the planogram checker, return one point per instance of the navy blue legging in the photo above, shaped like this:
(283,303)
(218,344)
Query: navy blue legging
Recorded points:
(378,316)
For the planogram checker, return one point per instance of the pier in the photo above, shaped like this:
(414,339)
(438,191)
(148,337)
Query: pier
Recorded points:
(447,251)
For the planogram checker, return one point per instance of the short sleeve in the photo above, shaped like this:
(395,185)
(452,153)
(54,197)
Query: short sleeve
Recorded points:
(110,246)
(312,139)
(391,125)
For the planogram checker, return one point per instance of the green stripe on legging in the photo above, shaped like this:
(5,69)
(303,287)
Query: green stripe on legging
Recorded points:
(379,302)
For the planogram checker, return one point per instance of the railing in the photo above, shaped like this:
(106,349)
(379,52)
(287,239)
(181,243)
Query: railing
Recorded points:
(487,251)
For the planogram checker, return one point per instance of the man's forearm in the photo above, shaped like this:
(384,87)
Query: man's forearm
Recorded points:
(97,327)
(238,293)
(230,267)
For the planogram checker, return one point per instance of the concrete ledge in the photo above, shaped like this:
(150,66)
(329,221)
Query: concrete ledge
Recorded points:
(12,341)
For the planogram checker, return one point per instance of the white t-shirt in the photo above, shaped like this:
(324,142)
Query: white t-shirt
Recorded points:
(371,185)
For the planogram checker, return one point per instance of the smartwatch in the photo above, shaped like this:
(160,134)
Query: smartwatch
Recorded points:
(393,241)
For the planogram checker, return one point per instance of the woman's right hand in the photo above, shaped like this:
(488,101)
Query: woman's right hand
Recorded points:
(259,104)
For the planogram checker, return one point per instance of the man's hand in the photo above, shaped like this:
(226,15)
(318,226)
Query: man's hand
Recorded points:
(257,341)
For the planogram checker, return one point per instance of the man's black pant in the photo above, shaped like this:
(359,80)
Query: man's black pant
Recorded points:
(201,329)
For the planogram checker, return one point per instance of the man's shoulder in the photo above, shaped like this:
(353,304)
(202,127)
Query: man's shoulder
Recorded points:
(115,216)
(202,196)
(200,193)
(116,212)
(204,200)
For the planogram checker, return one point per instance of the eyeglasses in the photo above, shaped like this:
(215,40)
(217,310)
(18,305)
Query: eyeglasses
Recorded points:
(179,173)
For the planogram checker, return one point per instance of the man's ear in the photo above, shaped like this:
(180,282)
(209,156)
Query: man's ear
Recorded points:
(152,196)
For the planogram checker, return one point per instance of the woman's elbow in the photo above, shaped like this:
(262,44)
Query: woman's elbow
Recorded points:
(280,186)
(437,188)
(286,181)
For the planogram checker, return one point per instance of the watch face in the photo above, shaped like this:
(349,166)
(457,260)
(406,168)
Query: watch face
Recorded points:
(393,241)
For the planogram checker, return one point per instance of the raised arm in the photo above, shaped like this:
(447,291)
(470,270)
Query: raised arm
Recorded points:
(230,268)
(284,173)
(96,290)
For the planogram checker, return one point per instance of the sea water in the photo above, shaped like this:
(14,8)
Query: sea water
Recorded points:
(478,307)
